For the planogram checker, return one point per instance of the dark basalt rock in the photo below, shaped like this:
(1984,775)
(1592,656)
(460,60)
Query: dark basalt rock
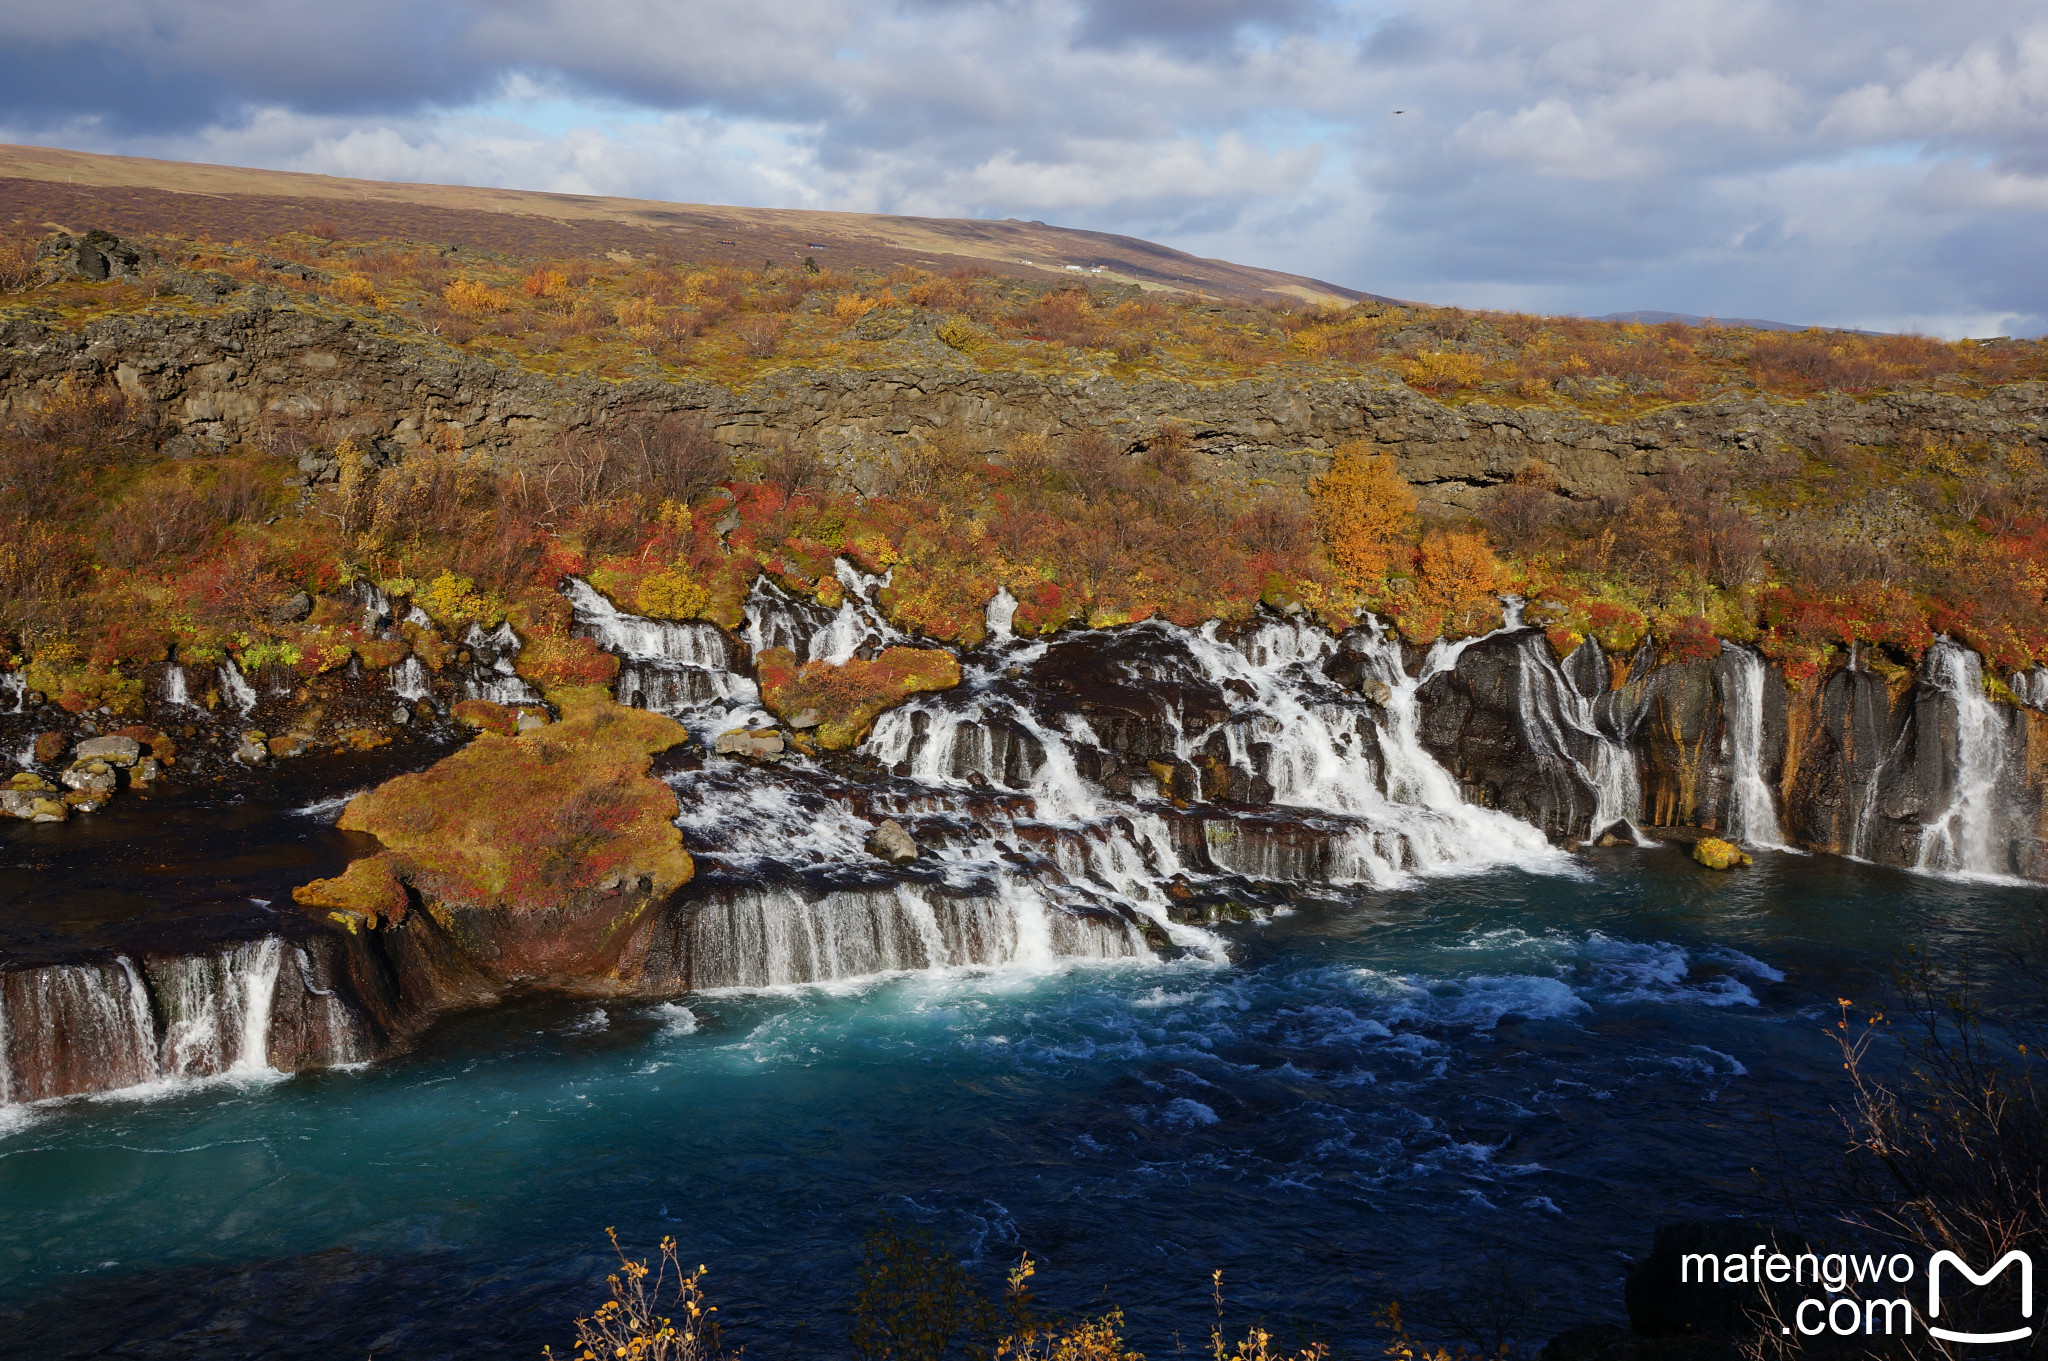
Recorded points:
(1474,722)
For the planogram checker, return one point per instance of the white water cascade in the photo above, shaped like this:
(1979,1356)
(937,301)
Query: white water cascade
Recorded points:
(235,688)
(1412,805)
(174,691)
(1972,835)
(13,693)
(114,1024)
(1554,711)
(503,683)
(665,665)
(1752,812)
(773,937)
(409,681)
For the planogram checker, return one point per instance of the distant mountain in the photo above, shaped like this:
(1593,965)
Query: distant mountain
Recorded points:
(1659,318)
(41,188)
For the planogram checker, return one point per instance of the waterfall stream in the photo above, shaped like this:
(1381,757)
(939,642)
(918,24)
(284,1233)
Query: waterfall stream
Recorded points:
(125,1022)
(1972,834)
(1752,812)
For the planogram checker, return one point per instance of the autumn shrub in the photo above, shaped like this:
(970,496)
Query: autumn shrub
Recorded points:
(472,297)
(17,264)
(656,1313)
(1365,509)
(357,289)
(1441,371)
(552,658)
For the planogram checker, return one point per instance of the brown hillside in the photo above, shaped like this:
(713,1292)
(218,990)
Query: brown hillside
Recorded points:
(42,186)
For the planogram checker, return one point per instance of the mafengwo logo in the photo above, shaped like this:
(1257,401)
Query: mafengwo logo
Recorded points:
(1850,1304)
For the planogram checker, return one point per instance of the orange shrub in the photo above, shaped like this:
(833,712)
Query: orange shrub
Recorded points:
(1366,510)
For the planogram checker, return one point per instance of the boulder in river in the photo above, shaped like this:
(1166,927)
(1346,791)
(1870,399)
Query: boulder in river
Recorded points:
(1717,854)
(756,744)
(892,843)
(119,751)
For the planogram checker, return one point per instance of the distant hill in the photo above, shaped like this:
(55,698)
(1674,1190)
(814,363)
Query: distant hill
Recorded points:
(1745,323)
(41,188)
(1686,319)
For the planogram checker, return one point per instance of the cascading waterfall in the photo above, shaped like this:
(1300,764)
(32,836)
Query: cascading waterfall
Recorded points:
(1752,812)
(1972,835)
(13,693)
(235,688)
(2031,687)
(502,684)
(1556,715)
(857,627)
(108,1025)
(770,937)
(668,666)
(409,681)
(174,691)
(1412,805)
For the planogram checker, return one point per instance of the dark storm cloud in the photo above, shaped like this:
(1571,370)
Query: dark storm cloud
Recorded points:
(1860,161)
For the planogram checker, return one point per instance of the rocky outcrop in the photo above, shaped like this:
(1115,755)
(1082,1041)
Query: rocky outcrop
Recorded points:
(217,376)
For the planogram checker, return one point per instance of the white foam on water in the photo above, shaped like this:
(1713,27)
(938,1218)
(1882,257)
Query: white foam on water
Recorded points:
(328,809)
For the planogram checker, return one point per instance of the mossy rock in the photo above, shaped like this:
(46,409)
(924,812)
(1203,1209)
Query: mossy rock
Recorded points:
(1717,854)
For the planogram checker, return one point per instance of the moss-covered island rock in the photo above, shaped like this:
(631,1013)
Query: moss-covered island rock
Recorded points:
(533,858)
(1717,854)
(847,699)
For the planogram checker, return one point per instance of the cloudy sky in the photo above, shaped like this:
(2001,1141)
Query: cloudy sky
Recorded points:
(1879,163)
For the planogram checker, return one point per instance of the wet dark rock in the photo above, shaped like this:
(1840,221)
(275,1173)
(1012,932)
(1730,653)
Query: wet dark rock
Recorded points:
(1473,721)
(293,610)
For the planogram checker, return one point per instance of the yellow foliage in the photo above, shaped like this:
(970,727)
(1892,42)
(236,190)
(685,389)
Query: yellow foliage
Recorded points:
(957,332)
(450,599)
(852,307)
(546,283)
(1456,573)
(675,517)
(1442,371)
(356,288)
(635,312)
(474,297)
(1365,509)
(668,594)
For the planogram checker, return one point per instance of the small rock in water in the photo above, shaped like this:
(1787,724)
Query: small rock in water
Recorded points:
(251,751)
(94,779)
(758,744)
(1717,854)
(49,746)
(892,843)
(401,715)
(1619,834)
(120,751)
